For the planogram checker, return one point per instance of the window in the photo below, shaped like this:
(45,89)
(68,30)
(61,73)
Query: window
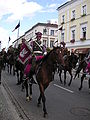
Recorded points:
(62,37)
(32,34)
(35,31)
(45,31)
(73,34)
(73,15)
(84,32)
(51,44)
(63,19)
(45,42)
(52,32)
(84,10)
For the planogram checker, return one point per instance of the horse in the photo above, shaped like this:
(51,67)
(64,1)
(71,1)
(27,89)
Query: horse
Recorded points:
(43,72)
(10,59)
(19,67)
(70,63)
(1,65)
(82,66)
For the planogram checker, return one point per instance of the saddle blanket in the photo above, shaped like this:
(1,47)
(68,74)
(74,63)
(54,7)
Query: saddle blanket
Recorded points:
(28,66)
(88,68)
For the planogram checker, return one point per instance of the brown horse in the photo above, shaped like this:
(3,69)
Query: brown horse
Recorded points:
(82,66)
(44,73)
(70,63)
(1,65)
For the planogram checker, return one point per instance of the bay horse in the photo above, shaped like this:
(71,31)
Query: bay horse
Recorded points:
(1,65)
(19,67)
(44,73)
(10,59)
(70,63)
(82,66)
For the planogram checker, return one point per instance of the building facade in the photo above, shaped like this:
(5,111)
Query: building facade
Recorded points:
(48,30)
(74,24)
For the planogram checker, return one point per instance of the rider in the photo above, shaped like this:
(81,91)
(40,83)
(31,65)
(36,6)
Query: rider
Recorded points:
(30,68)
(88,63)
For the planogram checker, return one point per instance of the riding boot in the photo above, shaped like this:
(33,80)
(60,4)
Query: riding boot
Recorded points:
(32,77)
(33,81)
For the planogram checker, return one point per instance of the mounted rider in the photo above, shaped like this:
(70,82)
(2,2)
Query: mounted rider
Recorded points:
(87,59)
(37,54)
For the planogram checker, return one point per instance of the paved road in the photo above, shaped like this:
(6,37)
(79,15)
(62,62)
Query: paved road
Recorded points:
(62,102)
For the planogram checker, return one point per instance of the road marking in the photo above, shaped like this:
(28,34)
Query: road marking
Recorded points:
(64,88)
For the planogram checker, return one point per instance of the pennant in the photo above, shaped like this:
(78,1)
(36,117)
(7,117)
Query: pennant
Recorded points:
(60,28)
(25,53)
(9,39)
(17,26)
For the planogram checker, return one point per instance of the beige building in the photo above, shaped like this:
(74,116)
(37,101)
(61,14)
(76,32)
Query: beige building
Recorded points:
(74,24)
(48,30)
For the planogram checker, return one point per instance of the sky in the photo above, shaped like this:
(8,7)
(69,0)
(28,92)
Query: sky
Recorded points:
(28,12)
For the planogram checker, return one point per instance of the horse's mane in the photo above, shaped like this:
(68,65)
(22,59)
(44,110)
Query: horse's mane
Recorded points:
(46,57)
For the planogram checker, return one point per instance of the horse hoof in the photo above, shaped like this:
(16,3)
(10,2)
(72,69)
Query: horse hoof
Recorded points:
(22,90)
(45,114)
(69,84)
(27,99)
(79,89)
(64,84)
(30,97)
(18,83)
(61,82)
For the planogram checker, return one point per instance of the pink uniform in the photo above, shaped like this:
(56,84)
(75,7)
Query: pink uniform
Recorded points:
(28,66)
(88,68)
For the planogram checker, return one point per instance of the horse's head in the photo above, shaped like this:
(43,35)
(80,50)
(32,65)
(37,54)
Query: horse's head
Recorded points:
(58,55)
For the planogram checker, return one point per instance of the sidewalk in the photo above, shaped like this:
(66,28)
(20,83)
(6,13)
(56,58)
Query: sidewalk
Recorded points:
(7,109)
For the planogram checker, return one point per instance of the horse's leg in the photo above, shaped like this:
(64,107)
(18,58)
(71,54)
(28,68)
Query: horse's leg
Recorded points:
(60,72)
(77,73)
(82,78)
(30,86)
(21,77)
(26,86)
(42,89)
(10,68)
(17,77)
(13,69)
(0,76)
(70,72)
(64,77)
(39,100)
(89,84)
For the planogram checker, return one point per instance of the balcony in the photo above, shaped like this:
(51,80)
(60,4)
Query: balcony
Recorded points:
(62,23)
(63,43)
(84,14)
(72,19)
(72,41)
(82,39)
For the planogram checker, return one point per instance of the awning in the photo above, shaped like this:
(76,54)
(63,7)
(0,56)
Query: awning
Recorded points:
(82,50)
